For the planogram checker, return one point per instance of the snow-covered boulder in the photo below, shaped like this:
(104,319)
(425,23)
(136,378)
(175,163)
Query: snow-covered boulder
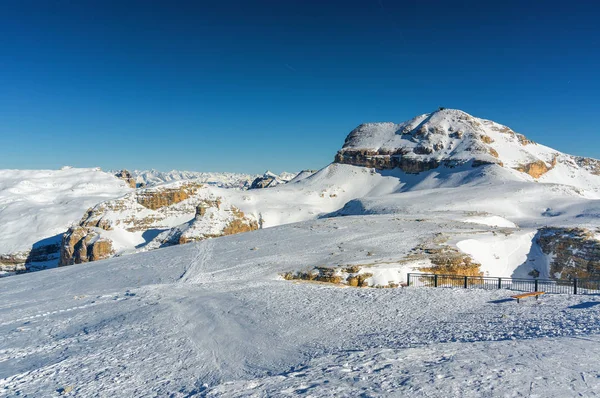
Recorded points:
(214,218)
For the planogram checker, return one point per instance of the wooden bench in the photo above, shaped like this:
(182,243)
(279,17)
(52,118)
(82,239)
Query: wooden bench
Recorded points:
(525,295)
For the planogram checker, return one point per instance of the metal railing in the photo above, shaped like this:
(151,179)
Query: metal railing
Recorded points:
(566,286)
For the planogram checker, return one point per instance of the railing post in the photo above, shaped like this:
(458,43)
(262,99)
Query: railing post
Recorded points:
(435,280)
(574,285)
(408,279)
(499,283)
(466,282)
(536,285)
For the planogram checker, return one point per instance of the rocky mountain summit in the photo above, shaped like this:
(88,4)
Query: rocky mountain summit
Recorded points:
(451,138)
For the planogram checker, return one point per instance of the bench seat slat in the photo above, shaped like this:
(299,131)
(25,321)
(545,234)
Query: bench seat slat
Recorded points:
(524,295)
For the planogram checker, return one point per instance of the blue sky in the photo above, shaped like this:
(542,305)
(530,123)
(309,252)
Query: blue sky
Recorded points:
(253,85)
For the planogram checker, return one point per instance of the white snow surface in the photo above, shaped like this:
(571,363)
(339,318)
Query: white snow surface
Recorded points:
(39,204)
(215,319)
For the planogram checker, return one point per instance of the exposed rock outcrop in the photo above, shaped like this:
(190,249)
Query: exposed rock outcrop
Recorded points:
(592,165)
(147,212)
(13,262)
(447,137)
(262,182)
(268,180)
(572,252)
(81,245)
(158,198)
(126,176)
(144,209)
(213,219)
(535,169)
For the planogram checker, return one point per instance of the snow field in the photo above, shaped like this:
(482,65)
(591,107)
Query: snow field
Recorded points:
(38,204)
(215,319)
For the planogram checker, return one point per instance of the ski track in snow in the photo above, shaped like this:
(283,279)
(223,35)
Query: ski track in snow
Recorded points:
(201,257)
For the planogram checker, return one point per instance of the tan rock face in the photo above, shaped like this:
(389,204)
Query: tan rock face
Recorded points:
(574,252)
(520,137)
(92,219)
(126,176)
(449,261)
(535,169)
(81,245)
(13,263)
(156,199)
(486,138)
(143,209)
(238,223)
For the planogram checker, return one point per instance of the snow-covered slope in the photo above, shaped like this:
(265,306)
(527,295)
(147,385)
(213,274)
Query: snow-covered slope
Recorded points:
(214,319)
(136,219)
(37,207)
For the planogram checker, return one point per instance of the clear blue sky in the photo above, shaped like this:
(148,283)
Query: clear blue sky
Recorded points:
(256,85)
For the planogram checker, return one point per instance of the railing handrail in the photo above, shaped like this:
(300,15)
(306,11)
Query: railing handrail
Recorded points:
(500,277)
(585,285)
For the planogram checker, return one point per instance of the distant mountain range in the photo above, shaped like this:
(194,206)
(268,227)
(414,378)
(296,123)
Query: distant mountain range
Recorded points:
(224,180)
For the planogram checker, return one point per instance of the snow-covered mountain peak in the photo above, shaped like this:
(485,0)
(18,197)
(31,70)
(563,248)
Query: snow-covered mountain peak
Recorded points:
(450,137)
(443,134)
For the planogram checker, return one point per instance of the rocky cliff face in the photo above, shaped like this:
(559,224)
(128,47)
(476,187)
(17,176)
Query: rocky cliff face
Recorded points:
(149,218)
(148,208)
(13,262)
(81,245)
(19,261)
(161,198)
(573,252)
